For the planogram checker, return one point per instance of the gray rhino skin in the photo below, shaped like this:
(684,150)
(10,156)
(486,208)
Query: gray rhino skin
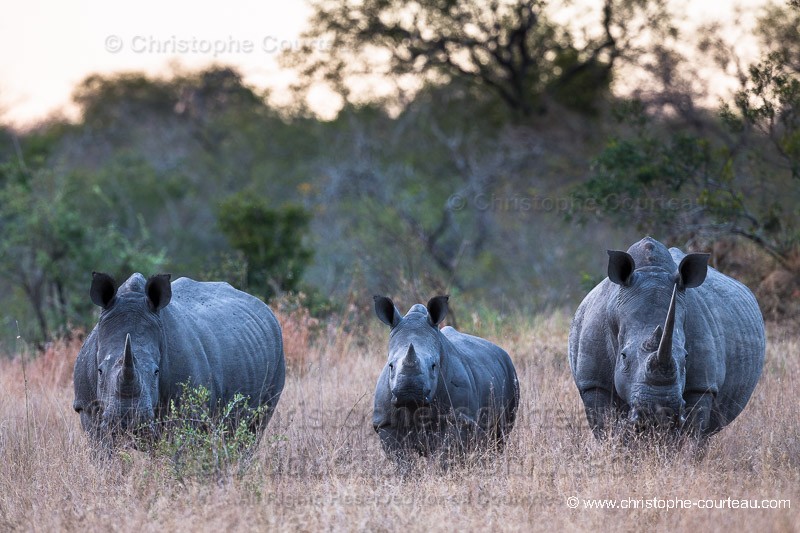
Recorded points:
(696,372)
(153,336)
(440,389)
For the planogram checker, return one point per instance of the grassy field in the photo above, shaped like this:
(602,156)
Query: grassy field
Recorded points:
(320,467)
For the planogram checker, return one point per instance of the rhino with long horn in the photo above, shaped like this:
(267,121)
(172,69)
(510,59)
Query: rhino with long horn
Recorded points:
(666,341)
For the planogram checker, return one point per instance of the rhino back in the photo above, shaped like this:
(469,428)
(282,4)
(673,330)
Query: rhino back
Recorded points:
(478,375)
(224,339)
(725,341)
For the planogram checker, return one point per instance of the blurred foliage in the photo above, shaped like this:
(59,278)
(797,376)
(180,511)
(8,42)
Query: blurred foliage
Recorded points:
(779,32)
(271,241)
(51,243)
(459,183)
(658,181)
(741,180)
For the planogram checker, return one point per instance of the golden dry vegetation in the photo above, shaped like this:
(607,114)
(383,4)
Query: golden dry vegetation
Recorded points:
(320,467)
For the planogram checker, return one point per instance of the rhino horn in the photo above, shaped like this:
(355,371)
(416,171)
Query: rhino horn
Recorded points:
(665,347)
(411,361)
(651,344)
(128,371)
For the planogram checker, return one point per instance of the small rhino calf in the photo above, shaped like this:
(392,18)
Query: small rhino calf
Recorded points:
(440,389)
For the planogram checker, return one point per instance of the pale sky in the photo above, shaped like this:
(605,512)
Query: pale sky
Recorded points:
(49,46)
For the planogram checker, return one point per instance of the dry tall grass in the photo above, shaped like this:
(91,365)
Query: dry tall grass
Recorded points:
(320,466)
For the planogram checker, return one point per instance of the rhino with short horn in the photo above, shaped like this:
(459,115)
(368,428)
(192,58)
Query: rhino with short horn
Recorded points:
(666,342)
(440,387)
(154,336)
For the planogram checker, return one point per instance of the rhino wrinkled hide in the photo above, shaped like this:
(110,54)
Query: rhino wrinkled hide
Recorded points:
(441,390)
(666,342)
(153,336)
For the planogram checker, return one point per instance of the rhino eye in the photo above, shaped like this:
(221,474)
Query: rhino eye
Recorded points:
(433,366)
(99,370)
(624,355)
(391,366)
(156,372)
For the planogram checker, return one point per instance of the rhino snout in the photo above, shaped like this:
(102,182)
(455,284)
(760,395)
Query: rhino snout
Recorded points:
(641,418)
(123,420)
(425,400)
(410,397)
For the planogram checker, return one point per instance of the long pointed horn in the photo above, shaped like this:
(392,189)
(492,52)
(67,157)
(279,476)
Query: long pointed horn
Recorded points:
(665,347)
(128,371)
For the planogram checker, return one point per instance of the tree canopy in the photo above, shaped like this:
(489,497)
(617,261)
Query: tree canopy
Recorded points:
(510,49)
(500,176)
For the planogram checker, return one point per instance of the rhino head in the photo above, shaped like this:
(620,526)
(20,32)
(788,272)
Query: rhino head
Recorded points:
(130,343)
(650,367)
(415,350)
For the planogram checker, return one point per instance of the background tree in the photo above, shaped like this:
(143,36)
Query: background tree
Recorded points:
(510,49)
(51,243)
(271,241)
(741,179)
(453,188)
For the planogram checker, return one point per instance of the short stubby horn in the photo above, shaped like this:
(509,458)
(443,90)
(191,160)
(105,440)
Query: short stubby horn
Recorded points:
(652,343)
(410,362)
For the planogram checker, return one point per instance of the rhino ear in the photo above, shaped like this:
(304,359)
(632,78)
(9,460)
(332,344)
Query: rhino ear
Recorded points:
(103,289)
(158,291)
(692,270)
(437,309)
(620,267)
(386,310)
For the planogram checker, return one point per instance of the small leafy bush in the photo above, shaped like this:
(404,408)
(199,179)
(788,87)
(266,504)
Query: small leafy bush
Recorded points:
(201,442)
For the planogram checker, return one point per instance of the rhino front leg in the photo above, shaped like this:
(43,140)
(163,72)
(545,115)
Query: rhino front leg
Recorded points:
(698,414)
(599,407)
(398,445)
(469,431)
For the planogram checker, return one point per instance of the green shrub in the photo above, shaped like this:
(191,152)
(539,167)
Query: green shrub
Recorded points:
(201,442)
(272,242)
